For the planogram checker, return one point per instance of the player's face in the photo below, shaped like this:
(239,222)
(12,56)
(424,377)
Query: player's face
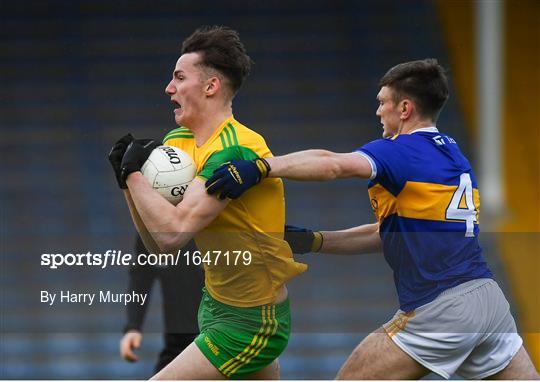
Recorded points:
(388,111)
(186,90)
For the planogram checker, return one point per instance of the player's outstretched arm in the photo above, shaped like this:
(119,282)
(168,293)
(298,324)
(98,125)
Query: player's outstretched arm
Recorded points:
(233,178)
(319,165)
(172,227)
(353,241)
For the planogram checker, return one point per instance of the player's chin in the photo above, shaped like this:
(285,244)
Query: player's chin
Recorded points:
(178,119)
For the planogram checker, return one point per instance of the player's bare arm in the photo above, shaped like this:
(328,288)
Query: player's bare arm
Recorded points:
(146,237)
(353,241)
(172,227)
(232,179)
(319,165)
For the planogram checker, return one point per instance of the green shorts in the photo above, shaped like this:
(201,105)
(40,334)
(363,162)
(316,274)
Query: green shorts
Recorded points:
(240,341)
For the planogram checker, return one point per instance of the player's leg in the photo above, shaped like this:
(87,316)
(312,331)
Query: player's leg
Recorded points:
(175,343)
(270,372)
(190,364)
(378,357)
(238,342)
(500,354)
(521,367)
(434,337)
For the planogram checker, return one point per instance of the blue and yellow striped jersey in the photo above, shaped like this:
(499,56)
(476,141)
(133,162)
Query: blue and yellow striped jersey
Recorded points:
(425,197)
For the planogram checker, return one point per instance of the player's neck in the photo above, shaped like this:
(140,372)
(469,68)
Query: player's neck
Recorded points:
(409,126)
(210,121)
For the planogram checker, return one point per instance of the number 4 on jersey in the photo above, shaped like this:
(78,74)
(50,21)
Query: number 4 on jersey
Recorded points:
(467,214)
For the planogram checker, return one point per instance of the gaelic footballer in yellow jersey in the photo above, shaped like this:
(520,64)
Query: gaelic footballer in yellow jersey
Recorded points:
(244,315)
(252,223)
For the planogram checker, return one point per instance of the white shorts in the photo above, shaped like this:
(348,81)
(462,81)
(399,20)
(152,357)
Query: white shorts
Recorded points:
(467,330)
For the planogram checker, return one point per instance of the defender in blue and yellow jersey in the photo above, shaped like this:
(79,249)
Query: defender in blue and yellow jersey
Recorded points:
(453,317)
(419,204)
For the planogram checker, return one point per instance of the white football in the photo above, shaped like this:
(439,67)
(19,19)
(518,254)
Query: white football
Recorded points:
(169,171)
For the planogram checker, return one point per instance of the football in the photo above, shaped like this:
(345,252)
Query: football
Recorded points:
(169,171)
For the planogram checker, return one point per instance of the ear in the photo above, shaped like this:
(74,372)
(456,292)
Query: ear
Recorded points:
(406,109)
(212,86)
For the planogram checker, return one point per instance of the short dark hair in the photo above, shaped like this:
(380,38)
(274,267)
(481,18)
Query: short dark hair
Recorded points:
(221,49)
(424,81)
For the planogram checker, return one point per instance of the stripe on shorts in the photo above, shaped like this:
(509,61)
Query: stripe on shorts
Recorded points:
(258,343)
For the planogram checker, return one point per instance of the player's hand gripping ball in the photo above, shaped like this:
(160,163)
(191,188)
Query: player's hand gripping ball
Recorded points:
(169,171)
(115,157)
(136,154)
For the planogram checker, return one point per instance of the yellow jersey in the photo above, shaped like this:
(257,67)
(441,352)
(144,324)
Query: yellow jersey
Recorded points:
(249,228)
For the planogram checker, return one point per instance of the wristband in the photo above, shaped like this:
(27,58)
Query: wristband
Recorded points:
(263,166)
(317,243)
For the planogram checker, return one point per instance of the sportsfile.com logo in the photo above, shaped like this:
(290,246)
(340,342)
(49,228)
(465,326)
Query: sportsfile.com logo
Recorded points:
(235,174)
(112,258)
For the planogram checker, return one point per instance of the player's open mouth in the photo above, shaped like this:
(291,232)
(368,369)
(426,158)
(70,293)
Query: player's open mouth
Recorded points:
(177,105)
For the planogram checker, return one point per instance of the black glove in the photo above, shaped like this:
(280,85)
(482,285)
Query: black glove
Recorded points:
(136,154)
(115,157)
(303,240)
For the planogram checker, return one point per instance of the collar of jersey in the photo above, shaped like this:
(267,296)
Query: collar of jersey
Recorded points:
(216,133)
(431,129)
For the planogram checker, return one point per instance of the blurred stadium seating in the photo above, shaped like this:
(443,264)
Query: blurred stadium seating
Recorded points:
(76,75)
